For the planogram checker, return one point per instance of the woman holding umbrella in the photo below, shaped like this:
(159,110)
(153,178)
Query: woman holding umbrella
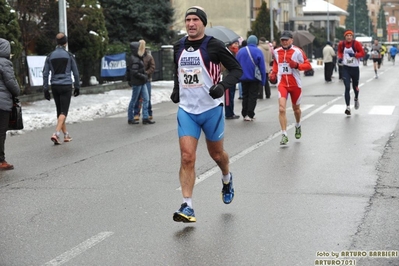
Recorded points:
(231,91)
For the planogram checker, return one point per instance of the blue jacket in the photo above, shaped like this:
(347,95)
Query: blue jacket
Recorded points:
(393,51)
(246,63)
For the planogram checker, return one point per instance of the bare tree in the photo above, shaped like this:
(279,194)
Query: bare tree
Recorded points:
(30,13)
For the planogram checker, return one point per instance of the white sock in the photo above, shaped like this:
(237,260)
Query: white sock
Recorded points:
(188,201)
(66,133)
(226,178)
(57,133)
(284,132)
(298,124)
(348,107)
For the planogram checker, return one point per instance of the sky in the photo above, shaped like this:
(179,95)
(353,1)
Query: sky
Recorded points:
(87,107)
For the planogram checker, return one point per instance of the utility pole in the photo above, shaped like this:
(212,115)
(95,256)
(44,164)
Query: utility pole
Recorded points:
(354,18)
(328,20)
(62,24)
(271,22)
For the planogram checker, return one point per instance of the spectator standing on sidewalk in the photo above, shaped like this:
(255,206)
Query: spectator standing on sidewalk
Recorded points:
(229,94)
(328,57)
(149,67)
(249,58)
(267,51)
(243,44)
(9,88)
(61,63)
(137,78)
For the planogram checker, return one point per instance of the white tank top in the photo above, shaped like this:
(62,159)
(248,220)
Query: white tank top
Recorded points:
(350,61)
(194,82)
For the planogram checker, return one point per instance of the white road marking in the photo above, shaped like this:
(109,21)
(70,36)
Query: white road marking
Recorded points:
(303,107)
(382,110)
(82,247)
(375,110)
(335,109)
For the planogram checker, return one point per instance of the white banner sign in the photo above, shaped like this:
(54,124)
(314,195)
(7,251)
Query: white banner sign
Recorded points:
(35,65)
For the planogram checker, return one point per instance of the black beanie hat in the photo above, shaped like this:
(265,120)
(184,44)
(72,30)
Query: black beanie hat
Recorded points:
(194,10)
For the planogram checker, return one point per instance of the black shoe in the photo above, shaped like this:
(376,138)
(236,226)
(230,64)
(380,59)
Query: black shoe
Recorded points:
(148,122)
(268,97)
(233,117)
(132,122)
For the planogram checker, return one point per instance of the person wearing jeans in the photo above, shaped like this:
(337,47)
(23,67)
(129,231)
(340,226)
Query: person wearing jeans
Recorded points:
(137,78)
(149,67)
(138,90)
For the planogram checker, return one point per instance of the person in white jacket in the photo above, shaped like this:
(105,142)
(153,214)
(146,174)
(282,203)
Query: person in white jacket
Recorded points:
(328,56)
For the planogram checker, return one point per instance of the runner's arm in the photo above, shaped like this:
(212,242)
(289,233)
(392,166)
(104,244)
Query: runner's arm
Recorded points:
(359,50)
(218,53)
(306,64)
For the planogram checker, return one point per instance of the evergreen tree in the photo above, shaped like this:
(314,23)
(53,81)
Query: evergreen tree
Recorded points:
(358,20)
(48,27)
(381,23)
(29,13)
(261,25)
(9,28)
(128,20)
(87,35)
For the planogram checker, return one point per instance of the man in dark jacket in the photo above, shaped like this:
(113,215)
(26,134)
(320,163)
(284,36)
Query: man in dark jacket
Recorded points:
(61,63)
(137,78)
(149,67)
(9,88)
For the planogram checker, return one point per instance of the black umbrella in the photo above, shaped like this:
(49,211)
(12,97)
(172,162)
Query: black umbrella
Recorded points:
(222,33)
(302,37)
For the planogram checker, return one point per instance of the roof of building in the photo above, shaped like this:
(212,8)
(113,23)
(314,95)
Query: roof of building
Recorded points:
(322,7)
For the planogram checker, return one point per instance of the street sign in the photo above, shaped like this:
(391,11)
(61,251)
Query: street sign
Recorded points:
(379,33)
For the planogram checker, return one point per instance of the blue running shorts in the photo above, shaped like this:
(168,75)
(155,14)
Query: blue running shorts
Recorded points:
(211,122)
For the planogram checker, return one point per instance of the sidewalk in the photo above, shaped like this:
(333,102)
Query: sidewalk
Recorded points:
(93,102)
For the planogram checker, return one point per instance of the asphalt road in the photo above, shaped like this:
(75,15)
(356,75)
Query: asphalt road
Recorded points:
(107,198)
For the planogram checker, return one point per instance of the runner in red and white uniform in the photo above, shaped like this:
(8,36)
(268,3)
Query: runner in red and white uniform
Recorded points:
(288,61)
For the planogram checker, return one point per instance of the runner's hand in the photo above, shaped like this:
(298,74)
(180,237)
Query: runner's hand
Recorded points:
(293,64)
(272,78)
(76,92)
(47,94)
(351,54)
(216,91)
